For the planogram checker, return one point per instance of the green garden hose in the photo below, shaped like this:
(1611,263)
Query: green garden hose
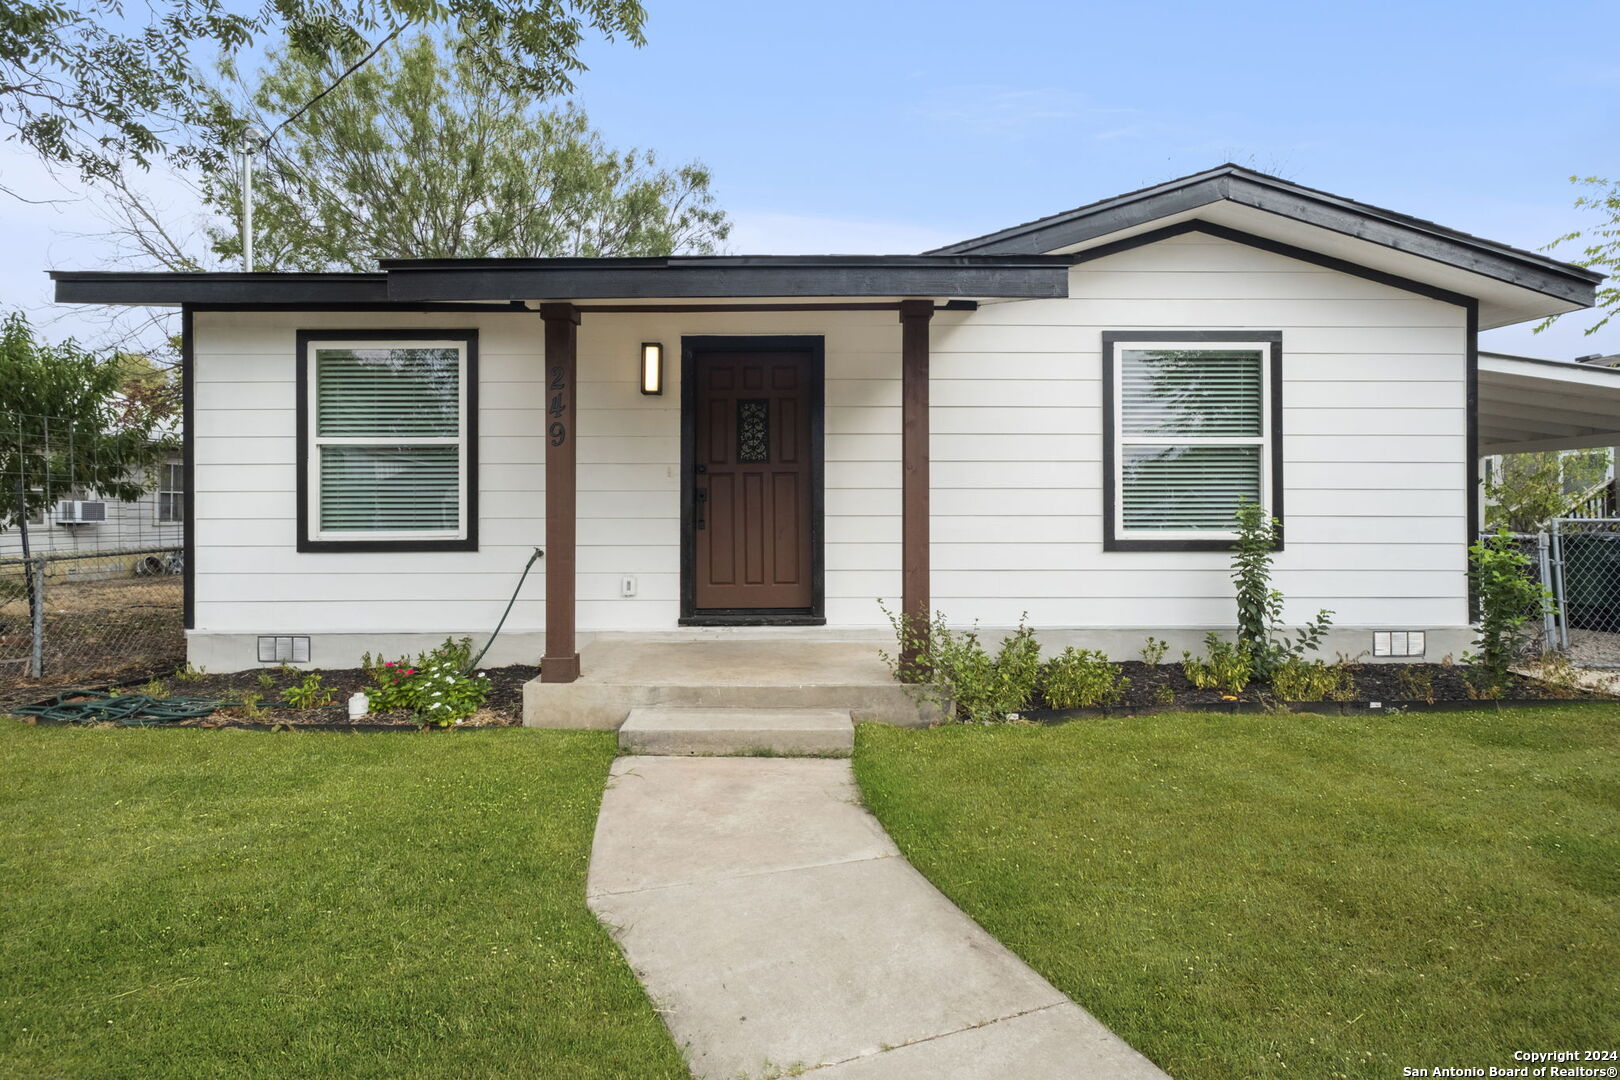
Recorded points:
(127,710)
(521,579)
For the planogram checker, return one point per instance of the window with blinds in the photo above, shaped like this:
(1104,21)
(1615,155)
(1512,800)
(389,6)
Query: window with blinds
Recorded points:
(1191,437)
(388,440)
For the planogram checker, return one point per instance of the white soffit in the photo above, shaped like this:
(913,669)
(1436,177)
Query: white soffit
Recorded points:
(1528,405)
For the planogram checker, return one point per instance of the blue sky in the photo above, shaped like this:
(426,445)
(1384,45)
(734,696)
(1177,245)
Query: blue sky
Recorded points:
(896,125)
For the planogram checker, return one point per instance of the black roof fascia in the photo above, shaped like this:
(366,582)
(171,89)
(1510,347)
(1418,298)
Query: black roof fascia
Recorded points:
(119,287)
(1018,276)
(1401,232)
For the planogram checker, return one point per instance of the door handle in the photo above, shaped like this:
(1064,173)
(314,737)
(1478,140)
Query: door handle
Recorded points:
(700,496)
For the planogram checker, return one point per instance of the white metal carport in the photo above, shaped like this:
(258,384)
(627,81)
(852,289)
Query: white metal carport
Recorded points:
(1528,405)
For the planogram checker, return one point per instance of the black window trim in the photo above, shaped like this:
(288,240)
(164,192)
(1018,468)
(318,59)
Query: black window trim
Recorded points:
(1111,338)
(305,540)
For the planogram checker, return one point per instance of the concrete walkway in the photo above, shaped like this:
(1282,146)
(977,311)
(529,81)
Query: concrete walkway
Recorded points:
(779,932)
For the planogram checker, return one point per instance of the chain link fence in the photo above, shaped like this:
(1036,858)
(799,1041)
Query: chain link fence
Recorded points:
(91,554)
(1584,578)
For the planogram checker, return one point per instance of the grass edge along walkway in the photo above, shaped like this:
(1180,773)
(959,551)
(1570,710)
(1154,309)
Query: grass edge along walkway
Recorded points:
(1287,896)
(241,904)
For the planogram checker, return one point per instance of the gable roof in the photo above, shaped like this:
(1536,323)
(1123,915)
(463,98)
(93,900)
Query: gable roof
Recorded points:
(1234,186)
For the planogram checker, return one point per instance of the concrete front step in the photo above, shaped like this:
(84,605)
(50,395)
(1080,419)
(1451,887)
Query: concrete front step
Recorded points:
(738,732)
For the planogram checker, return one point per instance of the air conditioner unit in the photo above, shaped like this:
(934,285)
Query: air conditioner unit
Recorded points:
(80,512)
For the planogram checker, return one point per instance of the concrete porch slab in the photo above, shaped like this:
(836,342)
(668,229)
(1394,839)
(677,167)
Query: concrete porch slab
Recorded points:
(788,732)
(778,673)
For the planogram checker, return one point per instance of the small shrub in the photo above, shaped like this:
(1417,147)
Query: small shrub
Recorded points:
(1417,683)
(267,681)
(436,689)
(952,669)
(1508,600)
(1259,606)
(1227,666)
(309,694)
(1153,651)
(1312,680)
(1078,678)
(1163,694)
(251,709)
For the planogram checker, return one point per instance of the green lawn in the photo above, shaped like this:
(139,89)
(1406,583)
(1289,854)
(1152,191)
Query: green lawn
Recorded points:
(235,904)
(1296,896)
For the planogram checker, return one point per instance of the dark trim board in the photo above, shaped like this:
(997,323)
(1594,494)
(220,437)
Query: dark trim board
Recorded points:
(188,468)
(301,367)
(1472,529)
(1276,247)
(814,347)
(1321,209)
(1110,338)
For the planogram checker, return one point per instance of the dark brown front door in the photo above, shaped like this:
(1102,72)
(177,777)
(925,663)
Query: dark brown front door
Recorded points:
(751,487)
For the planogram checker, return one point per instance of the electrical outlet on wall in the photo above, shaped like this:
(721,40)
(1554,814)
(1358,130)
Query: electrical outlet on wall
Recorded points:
(627,585)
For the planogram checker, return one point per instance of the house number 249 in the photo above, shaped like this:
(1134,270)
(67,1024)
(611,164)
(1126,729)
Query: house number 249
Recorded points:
(557,388)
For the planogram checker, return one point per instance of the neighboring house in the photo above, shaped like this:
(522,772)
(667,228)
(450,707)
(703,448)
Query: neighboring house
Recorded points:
(77,522)
(1056,420)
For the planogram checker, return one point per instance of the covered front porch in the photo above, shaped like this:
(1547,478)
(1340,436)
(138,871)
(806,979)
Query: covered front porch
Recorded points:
(754,468)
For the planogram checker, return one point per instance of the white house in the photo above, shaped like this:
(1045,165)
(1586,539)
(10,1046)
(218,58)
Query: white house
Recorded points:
(1057,419)
(89,523)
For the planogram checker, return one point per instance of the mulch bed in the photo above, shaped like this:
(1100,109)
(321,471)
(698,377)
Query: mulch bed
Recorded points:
(504,708)
(1373,682)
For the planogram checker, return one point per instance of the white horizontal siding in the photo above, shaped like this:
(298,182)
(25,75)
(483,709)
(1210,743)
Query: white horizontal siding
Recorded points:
(1374,446)
(1374,449)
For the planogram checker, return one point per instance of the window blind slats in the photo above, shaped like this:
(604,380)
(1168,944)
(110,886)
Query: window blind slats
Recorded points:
(1199,393)
(388,399)
(395,392)
(1187,487)
(390,488)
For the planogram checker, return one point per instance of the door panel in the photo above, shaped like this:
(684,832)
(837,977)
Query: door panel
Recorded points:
(752,482)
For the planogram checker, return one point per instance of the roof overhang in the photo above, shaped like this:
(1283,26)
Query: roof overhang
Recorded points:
(1511,285)
(1528,405)
(416,281)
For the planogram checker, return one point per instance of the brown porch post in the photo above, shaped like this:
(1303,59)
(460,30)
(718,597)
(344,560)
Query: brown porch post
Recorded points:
(915,602)
(561,662)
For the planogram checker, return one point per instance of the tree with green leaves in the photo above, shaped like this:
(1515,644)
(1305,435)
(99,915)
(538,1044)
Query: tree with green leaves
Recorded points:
(93,85)
(1525,491)
(70,421)
(1601,250)
(424,154)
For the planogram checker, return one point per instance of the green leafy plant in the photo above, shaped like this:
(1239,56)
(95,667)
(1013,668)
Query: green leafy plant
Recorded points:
(312,693)
(251,710)
(1164,694)
(436,688)
(1227,665)
(1509,598)
(1296,679)
(1259,606)
(267,681)
(952,670)
(155,688)
(1079,678)
(188,674)
(1153,651)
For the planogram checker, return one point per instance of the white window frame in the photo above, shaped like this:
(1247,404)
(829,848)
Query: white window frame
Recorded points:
(316,440)
(163,489)
(1264,440)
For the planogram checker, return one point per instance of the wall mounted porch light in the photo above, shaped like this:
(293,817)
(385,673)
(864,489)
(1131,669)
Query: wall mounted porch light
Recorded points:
(652,367)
